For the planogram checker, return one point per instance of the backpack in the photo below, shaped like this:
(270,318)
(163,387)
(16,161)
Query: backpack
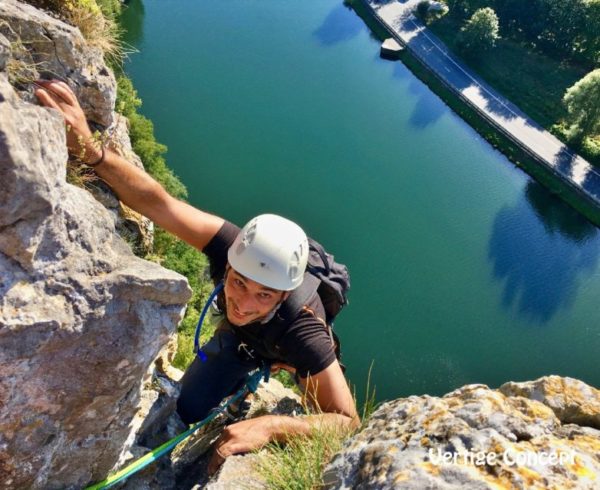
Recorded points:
(330,280)
(334,277)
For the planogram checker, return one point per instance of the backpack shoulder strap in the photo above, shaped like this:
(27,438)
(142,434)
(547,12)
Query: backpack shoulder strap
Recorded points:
(292,306)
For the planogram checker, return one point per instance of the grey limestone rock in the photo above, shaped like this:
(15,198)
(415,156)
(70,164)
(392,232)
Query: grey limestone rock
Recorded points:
(571,400)
(475,438)
(4,51)
(81,318)
(42,46)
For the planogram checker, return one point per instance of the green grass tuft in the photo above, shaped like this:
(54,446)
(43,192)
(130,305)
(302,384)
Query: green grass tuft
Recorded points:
(299,463)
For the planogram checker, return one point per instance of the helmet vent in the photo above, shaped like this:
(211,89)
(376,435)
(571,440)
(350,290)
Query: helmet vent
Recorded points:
(250,234)
(294,263)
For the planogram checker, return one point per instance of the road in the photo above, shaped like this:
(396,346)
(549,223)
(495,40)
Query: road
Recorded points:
(396,16)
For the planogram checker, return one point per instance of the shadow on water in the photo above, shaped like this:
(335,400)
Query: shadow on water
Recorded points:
(132,20)
(340,25)
(540,248)
(429,108)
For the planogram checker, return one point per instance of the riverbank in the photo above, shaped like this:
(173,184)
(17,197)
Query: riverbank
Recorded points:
(502,124)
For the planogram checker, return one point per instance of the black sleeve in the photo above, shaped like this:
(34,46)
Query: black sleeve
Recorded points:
(308,346)
(216,249)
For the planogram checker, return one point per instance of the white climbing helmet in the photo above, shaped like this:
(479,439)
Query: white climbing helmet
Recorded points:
(272,251)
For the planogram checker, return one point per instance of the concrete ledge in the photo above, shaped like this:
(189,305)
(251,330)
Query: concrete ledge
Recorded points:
(390,49)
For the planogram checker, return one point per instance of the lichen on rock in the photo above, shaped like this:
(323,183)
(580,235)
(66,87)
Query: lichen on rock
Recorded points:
(478,438)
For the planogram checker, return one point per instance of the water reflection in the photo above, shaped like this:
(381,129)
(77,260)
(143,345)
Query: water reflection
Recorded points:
(541,249)
(340,25)
(556,216)
(429,107)
(132,19)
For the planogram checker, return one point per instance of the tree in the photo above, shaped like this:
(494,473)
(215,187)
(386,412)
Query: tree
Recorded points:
(564,22)
(480,32)
(520,18)
(591,40)
(583,104)
(423,9)
(459,9)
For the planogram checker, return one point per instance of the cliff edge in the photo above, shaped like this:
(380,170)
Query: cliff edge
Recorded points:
(81,317)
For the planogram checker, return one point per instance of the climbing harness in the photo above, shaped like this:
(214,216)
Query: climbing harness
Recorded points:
(250,385)
(199,352)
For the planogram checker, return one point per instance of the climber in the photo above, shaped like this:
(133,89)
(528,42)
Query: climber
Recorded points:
(262,268)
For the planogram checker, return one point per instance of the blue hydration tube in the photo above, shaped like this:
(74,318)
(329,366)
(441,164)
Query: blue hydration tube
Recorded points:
(209,301)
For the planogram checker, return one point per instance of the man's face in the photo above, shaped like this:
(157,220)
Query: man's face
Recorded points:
(247,301)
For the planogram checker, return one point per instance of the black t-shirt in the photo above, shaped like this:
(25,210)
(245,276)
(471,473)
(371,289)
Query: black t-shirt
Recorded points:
(304,342)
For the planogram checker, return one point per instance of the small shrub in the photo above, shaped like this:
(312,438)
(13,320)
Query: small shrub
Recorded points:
(96,19)
(298,463)
(80,175)
(99,30)
(480,32)
(20,67)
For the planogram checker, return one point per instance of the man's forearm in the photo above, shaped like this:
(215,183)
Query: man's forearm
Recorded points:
(134,187)
(142,193)
(284,427)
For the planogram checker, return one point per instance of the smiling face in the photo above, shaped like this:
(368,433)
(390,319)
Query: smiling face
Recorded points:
(247,300)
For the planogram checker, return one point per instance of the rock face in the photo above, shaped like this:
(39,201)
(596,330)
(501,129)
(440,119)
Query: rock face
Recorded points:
(42,46)
(541,434)
(81,318)
(37,45)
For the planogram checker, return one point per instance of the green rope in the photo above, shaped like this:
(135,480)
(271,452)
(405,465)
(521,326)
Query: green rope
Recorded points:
(141,463)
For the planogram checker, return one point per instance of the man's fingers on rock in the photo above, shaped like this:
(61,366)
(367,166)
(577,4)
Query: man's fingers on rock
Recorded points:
(62,90)
(47,99)
(66,91)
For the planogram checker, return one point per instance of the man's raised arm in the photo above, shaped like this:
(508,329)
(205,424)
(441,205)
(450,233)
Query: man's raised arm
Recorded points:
(134,187)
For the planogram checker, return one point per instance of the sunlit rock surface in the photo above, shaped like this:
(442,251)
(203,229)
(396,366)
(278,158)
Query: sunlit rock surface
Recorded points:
(541,434)
(42,46)
(81,318)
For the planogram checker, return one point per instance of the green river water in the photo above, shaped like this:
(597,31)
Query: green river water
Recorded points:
(464,270)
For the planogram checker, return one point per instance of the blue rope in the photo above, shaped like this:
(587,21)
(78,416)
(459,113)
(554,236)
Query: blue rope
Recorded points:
(209,301)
